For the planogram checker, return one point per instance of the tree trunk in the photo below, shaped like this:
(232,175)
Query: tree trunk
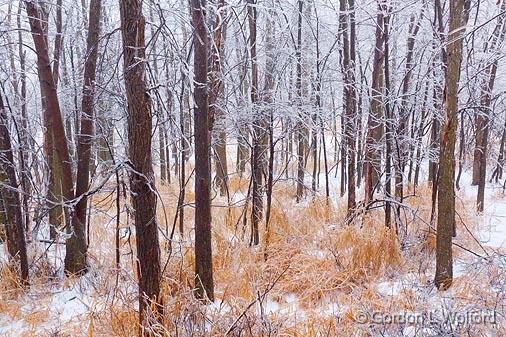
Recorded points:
(299,127)
(419,136)
(243,133)
(58,42)
(268,99)
(486,99)
(158,107)
(76,252)
(483,119)
(374,129)
(401,140)
(51,105)
(203,249)
(498,171)
(14,226)
(258,130)
(139,152)
(446,194)
(349,98)
(388,121)
(55,185)
(20,99)
(216,93)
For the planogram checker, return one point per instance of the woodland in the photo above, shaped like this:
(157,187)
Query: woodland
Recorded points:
(252,168)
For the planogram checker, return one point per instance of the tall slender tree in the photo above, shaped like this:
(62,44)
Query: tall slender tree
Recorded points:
(446,192)
(484,114)
(349,102)
(139,152)
(372,165)
(15,228)
(258,129)
(51,109)
(299,126)
(401,141)
(216,93)
(203,250)
(75,258)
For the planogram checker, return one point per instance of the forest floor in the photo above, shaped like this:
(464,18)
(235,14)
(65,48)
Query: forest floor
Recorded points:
(314,276)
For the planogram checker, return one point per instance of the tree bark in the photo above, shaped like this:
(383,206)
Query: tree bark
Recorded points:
(203,249)
(446,194)
(268,99)
(483,118)
(158,107)
(299,127)
(14,226)
(349,105)
(498,171)
(374,129)
(139,152)
(76,252)
(52,113)
(216,90)
(388,121)
(258,131)
(483,144)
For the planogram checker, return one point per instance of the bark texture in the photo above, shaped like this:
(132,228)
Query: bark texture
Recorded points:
(14,226)
(58,145)
(203,250)
(139,152)
(372,165)
(446,195)
(75,258)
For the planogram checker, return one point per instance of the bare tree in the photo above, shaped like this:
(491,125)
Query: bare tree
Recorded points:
(372,165)
(414,28)
(139,152)
(217,86)
(52,113)
(446,192)
(203,250)
(299,126)
(75,259)
(258,129)
(15,228)
(483,116)
(349,102)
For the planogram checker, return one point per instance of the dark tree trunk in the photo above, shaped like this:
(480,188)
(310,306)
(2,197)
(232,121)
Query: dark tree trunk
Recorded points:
(485,103)
(482,125)
(258,131)
(388,122)
(139,152)
(498,171)
(374,128)
(349,105)
(268,99)
(14,227)
(216,112)
(299,128)
(75,258)
(51,106)
(203,248)
(55,183)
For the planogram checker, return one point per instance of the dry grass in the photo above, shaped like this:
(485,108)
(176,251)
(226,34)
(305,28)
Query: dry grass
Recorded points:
(310,278)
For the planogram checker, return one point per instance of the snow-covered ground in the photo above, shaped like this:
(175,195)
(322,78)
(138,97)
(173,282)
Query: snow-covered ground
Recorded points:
(46,309)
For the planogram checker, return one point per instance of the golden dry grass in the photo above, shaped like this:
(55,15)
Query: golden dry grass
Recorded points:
(321,269)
